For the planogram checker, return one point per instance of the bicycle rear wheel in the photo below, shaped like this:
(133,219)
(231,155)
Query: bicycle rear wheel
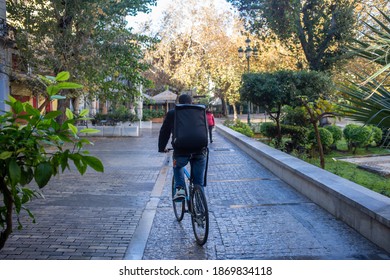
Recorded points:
(200,215)
(178,206)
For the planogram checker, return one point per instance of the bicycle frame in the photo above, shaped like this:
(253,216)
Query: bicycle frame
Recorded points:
(196,202)
(188,190)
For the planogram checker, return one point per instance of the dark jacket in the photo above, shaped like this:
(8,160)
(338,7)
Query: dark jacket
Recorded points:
(165,134)
(166,130)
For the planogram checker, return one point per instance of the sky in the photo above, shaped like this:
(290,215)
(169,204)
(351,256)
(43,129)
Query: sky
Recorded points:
(155,14)
(157,11)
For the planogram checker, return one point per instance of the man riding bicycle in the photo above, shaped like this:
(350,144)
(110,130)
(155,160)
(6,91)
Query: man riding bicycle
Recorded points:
(196,157)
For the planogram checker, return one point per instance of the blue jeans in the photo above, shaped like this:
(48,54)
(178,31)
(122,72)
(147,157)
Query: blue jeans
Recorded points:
(198,166)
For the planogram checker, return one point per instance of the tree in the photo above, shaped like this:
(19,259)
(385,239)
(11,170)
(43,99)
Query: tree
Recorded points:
(321,28)
(368,99)
(313,89)
(270,90)
(273,90)
(198,43)
(32,147)
(87,38)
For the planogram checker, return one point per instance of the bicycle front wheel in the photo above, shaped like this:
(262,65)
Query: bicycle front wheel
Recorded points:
(200,215)
(178,206)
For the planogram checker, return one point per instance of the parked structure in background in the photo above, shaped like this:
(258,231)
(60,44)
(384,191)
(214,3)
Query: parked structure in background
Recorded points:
(14,73)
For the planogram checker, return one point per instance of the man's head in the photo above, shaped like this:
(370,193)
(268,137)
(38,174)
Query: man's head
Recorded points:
(185,99)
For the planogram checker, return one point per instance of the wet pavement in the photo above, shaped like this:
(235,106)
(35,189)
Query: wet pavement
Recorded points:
(126,212)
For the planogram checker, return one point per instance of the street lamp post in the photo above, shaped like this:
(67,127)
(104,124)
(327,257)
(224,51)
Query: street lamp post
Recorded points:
(249,52)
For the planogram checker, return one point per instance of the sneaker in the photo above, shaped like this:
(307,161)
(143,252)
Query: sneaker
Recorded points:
(179,195)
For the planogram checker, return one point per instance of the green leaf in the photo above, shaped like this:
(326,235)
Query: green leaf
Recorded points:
(72,128)
(64,161)
(11,99)
(15,172)
(44,79)
(52,114)
(56,97)
(93,162)
(30,214)
(67,85)
(62,76)
(53,89)
(18,107)
(89,130)
(27,176)
(32,111)
(43,173)
(69,114)
(80,165)
(17,203)
(5,155)
(27,195)
(49,79)
(84,112)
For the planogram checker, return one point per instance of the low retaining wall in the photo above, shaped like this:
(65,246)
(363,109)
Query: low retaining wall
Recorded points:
(112,131)
(364,210)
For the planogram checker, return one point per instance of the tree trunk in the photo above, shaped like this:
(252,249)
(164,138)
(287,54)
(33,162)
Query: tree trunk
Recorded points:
(235,112)
(279,130)
(224,107)
(62,105)
(76,104)
(278,126)
(8,203)
(313,121)
(319,143)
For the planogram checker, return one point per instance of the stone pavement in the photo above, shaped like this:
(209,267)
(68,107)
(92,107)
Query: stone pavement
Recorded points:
(92,216)
(126,212)
(375,164)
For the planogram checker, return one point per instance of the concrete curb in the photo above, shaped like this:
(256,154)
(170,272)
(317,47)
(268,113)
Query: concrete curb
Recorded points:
(364,210)
(112,131)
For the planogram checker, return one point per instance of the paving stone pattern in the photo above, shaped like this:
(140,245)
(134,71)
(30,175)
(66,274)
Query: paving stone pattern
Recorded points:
(92,216)
(254,215)
(375,164)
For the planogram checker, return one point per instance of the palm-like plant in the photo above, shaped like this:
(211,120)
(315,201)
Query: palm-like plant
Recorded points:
(369,101)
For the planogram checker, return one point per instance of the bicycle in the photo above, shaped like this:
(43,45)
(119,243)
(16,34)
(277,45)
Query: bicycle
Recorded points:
(195,203)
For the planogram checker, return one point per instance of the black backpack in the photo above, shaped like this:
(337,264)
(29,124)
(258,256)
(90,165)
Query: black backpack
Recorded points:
(190,127)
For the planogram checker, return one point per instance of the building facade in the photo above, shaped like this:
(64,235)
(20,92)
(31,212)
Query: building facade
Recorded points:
(4,58)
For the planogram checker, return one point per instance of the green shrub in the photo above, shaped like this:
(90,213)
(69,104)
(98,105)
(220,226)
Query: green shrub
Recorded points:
(256,127)
(244,130)
(298,134)
(116,116)
(148,114)
(229,123)
(35,147)
(357,136)
(347,131)
(240,127)
(268,129)
(336,131)
(377,134)
(295,116)
(325,135)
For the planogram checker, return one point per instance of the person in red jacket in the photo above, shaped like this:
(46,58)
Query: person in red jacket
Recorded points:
(211,124)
